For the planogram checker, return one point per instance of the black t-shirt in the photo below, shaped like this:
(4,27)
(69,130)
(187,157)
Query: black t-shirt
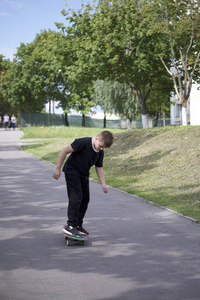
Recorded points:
(83,158)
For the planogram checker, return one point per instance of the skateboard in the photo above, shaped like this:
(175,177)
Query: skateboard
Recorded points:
(74,240)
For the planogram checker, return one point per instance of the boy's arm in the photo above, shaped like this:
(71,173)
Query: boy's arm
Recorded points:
(100,175)
(61,159)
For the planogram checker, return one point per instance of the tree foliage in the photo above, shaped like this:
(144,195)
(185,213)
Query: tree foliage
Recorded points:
(25,85)
(116,97)
(78,72)
(179,22)
(5,106)
(115,45)
(125,46)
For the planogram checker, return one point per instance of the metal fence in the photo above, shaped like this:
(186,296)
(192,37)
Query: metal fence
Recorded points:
(44,119)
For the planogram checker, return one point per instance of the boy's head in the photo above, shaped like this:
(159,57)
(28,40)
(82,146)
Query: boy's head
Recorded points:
(103,140)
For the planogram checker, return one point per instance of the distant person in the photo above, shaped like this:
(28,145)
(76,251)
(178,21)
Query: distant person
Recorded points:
(13,122)
(0,121)
(84,153)
(6,121)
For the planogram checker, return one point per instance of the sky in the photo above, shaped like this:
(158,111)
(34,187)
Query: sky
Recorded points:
(21,20)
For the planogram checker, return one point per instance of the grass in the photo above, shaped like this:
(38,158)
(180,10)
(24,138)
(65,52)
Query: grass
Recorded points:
(159,164)
(61,132)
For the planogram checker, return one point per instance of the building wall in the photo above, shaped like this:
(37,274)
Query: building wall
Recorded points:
(195,106)
(175,111)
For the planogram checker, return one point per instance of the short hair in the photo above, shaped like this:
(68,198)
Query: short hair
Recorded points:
(106,137)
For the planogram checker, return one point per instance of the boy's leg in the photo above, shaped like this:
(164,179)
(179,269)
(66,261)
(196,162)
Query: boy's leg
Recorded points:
(85,200)
(75,196)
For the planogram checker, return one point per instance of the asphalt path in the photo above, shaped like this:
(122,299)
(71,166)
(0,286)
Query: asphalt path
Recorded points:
(135,250)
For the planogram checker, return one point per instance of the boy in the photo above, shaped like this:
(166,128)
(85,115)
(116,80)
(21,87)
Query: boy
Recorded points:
(85,152)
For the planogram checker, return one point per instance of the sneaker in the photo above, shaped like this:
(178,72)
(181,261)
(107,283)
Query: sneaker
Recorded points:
(71,230)
(82,231)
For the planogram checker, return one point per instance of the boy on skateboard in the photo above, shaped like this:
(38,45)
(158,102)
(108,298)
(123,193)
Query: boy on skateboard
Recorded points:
(84,153)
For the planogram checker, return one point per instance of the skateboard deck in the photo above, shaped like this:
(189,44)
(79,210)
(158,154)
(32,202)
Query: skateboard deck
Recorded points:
(74,240)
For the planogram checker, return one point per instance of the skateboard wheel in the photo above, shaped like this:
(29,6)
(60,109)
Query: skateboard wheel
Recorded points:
(68,243)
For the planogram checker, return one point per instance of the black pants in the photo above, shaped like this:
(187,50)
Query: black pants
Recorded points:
(79,197)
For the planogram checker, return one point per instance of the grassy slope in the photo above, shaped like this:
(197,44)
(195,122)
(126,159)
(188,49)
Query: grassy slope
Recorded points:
(160,165)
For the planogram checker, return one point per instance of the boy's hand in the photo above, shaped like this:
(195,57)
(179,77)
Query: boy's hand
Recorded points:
(100,174)
(105,188)
(56,174)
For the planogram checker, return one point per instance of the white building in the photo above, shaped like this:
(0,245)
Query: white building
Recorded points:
(53,108)
(193,108)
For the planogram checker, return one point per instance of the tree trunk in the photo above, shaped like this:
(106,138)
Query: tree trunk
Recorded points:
(142,97)
(29,118)
(144,113)
(128,124)
(104,120)
(83,120)
(66,120)
(164,120)
(145,122)
(184,115)
(156,121)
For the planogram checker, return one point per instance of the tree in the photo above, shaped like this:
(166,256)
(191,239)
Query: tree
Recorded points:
(129,55)
(24,84)
(158,103)
(54,54)
(5,106)
(103,96)
(114,44)
(125,102)
(37,77)
(78,72)
(117,97)
(179,22)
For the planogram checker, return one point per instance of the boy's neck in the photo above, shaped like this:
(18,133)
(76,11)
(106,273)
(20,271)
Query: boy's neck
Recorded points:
(93,145)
